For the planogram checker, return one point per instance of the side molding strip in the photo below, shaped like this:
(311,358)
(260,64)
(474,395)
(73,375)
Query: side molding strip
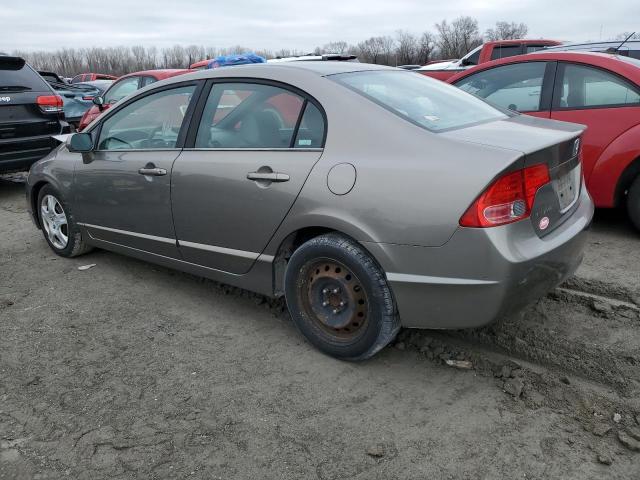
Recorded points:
(132,234)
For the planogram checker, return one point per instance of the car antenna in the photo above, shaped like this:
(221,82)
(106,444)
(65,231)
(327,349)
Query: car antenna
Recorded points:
(613,50)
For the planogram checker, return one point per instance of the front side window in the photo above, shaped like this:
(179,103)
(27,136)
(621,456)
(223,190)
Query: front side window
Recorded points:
(121,89)
(473,58)
(584,87)
(516,86)
(153,122)
(246,115)
(426,102)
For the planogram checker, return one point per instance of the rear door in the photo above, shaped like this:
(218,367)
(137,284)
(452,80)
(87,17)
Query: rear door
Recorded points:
(607,103)
(123,188)
(244,166)
(524,87)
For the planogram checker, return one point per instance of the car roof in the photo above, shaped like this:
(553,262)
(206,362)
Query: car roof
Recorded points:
(158,74)
(539,41)
(608,43)
(616,63)
(320,68)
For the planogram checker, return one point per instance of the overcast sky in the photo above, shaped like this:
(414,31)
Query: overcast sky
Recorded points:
(294,24)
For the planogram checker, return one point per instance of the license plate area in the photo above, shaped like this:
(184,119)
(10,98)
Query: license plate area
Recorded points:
(567,187)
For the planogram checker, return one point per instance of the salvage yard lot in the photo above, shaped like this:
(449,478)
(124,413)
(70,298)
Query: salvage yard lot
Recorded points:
(129,370)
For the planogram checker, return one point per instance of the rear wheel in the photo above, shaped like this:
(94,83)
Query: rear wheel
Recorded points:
(339,298)
(633,202)
(58,224)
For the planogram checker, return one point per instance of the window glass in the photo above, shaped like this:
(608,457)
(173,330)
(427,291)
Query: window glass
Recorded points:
(426,102)
(17,76)
(147,81)
(152,122)
(533,48)
(474,58)
(245,115)
(516,87)
(506,51)
(311,130)
(121,89)
(591,87)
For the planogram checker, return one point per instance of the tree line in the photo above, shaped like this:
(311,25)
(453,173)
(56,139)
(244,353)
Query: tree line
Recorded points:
(449,40)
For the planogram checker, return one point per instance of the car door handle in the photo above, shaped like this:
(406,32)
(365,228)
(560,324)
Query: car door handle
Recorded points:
(155,172)
(268,176)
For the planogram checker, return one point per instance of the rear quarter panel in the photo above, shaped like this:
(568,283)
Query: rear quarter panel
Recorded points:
(610,165)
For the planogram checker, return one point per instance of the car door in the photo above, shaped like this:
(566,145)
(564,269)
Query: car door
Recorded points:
(123,188)
(607,103)
(244,167)
(525,87)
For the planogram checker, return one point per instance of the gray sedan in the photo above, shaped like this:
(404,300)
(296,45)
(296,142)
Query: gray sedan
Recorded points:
(370,197)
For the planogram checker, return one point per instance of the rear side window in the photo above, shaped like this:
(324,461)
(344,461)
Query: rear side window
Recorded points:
(516,86)
(426,102)
(506,51)
(245,115)
(17,76)
(584,87)
(311,130)
(121,89)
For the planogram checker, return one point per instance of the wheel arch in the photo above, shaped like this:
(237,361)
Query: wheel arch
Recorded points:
(293,240)
(629,174)
(33,200)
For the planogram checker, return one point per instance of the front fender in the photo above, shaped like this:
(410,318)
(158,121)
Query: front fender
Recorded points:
(613,161)
(55,169)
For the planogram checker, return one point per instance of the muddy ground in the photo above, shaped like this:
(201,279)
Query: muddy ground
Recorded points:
(128,370)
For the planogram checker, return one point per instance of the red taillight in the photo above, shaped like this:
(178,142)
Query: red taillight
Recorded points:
(508,199)
(50,103)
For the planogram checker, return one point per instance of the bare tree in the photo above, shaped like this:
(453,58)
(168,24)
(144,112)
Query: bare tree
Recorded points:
(426,48)
(507,31)
(407,47)
(340,47)
(458,38)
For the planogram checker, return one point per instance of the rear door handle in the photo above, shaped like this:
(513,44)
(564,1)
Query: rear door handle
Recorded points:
(154,172)
(268,176)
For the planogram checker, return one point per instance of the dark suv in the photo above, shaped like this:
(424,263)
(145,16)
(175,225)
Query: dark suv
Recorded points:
(30,112)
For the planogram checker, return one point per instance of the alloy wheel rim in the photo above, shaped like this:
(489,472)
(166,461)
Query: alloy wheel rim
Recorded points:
(54,221)
(334,299)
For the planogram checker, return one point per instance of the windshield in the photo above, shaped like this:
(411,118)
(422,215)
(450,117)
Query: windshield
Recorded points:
(426,102)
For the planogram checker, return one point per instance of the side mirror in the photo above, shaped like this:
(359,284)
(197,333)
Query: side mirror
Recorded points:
(99,102)
(464,62)
(80,143)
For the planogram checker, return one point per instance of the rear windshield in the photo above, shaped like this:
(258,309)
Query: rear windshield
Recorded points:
(426,102)
(17,76)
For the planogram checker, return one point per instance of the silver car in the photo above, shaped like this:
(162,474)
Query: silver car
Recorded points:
(370,197)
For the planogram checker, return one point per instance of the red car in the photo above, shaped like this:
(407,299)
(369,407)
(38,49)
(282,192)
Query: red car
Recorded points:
(90,77)
(445,69)
(598,90)
(124,86)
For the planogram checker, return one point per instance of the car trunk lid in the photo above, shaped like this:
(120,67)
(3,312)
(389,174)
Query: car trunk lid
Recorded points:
(554,144)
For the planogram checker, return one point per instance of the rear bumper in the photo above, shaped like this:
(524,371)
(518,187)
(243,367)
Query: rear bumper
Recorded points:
(21,153)
(482,274)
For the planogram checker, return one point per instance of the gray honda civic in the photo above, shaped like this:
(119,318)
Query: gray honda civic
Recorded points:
(369,197)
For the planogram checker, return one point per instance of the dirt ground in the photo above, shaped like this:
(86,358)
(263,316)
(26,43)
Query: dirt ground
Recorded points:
(129,370)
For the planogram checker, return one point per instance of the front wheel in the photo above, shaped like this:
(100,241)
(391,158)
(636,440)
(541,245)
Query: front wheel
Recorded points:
(58,224)
(633,202)
(339,298)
